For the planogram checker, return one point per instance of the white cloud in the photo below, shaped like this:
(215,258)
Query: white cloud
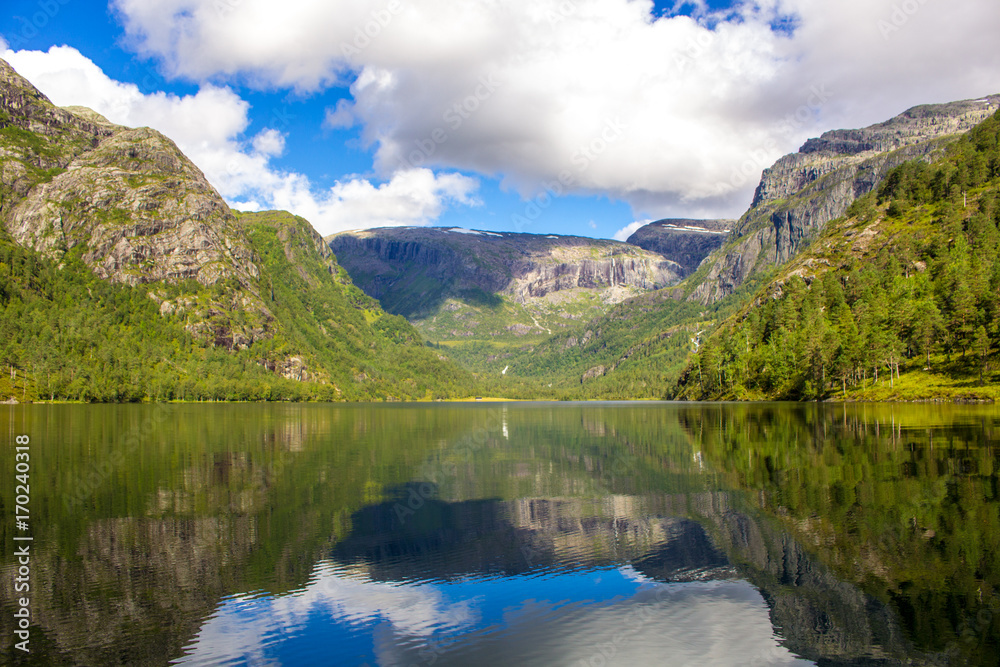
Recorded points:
(702,102)
(241,626)
(696,623)
(208,127)
(412,197)
(341,116)
(629,229)
(270,143)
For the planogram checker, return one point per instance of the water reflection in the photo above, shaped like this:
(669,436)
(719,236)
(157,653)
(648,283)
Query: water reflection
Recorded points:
(599,616)
(489,537)
(516,534)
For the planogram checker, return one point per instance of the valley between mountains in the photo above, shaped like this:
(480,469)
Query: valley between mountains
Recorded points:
(864,268)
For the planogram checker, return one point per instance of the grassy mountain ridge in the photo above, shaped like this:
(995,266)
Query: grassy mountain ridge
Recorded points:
(644,347)
(803,191)
(322,309)
(637,350)
(640,348)
(124,276)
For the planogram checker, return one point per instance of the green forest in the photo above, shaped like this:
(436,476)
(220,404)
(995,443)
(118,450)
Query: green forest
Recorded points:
(901,294)
(66,334)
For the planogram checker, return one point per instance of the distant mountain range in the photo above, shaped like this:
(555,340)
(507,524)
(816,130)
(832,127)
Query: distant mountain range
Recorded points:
(687,242)
(578,338)
(112,234)
(460,284)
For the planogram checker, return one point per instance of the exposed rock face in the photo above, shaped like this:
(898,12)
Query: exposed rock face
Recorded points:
(518,535)
(820,616)
(421,273)
(803,191)
(135,210)
(23,106)
(384,263)
(532,280)
(686,242)
(141,208)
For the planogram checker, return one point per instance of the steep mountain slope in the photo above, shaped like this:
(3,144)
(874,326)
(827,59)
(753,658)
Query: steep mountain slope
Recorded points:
(803,191)
(463,284)
(348,334)
(686,242)
(127,200)
(125,276)
(640,347)
(143,210)
(897,300)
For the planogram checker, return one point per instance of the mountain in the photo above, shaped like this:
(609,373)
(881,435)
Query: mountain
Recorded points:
(686,242)
(804,191)
(109,233)
(896,300)
(642,346)
(143,211)
(460,284)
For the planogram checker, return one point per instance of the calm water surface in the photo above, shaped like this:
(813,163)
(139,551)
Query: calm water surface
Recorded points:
(507,534)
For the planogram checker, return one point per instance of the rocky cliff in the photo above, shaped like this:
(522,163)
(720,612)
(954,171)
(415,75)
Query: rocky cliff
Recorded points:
(803,191)
(458,282)
(138,208)
(686,242)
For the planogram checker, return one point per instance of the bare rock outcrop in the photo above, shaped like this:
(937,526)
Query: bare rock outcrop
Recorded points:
(803,191)
(143,212)
(138,207)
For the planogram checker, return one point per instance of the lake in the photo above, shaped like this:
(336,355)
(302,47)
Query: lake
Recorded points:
(506,534)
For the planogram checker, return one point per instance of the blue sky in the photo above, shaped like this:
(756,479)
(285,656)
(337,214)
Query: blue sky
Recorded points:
(544,116)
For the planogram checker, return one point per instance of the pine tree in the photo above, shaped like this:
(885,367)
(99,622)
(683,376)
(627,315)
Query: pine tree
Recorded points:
(982,348)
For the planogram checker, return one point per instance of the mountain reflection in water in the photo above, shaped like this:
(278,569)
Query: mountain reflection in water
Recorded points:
(530,534)
(508,583)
